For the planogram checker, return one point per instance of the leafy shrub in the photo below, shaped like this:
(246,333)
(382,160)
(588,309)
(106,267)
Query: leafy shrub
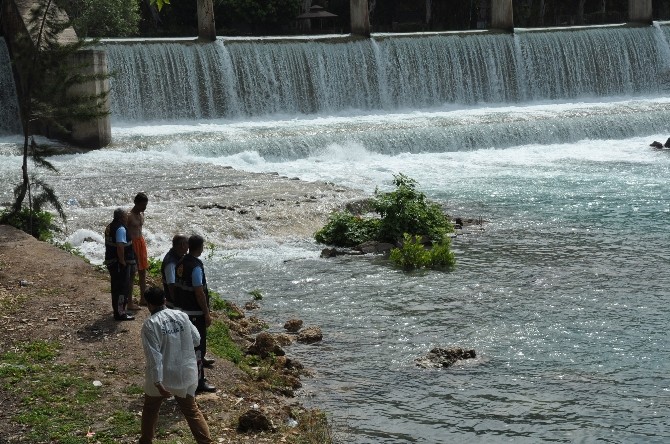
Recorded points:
(407,210)
(346,230)
(36,223)
(256,294)
(104,18)
(412,255)
(155,266)
(405,214)
(441,256)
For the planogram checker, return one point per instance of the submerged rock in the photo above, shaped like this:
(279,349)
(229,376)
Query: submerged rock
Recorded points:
(293,325)
(444,357)
(310,335)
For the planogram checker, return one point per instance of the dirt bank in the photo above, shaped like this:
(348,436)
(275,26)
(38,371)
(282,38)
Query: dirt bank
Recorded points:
(49,294)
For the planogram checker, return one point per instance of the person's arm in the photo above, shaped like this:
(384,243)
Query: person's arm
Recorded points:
(154,359)
(195,335)
(200,297)
(202,302)
(121,240)
(170,278)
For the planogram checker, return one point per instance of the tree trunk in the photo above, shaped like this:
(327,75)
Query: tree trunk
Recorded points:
(206,26)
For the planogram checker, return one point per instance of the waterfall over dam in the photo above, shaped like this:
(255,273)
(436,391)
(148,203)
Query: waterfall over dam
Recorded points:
(240,78)
(10,122)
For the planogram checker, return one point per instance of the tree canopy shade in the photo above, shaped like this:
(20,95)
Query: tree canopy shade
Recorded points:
(49,71)
(103,18)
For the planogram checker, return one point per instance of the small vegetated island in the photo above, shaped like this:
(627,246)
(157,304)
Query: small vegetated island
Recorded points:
(415,230)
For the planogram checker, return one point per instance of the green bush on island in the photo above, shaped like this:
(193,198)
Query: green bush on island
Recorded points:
(404,216)
(347,230)
(441,256)
(413,255)
(407,210)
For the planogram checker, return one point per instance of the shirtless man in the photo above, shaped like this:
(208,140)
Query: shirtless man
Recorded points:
(135,223)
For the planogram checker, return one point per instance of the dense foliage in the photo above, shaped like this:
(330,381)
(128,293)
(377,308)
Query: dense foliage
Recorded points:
(48,77)
(36,223)
(404,210)
(346,230)
(406,217)
(413,255)
(103,18)
(407,210)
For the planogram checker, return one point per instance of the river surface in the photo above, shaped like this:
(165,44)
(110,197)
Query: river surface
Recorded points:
(564,293)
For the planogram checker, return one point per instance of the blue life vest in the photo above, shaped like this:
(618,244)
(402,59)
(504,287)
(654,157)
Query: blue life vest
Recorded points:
(183,288)
(110,245)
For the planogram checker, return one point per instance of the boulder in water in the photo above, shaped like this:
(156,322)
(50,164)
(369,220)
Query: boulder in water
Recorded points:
(444,357)
(310,335)
(657,144)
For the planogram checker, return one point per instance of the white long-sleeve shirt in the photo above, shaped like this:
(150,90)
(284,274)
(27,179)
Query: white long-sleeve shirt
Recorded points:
(169,338)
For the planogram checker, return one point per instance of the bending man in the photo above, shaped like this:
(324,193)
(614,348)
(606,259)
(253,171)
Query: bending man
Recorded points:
(168,339)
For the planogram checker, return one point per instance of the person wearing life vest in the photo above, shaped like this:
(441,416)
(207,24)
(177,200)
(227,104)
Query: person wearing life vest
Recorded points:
(192,297)
(178,250)
(119,258)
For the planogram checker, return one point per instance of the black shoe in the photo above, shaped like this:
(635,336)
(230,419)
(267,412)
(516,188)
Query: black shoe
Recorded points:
(124,317)
(204,386)
(208,362)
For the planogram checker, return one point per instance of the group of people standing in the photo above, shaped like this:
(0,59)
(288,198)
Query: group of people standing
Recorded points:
(174,337)
(125,254)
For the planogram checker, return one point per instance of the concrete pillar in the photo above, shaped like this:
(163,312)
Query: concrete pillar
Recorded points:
(360,17)
(94,133)
(502,15)
(206,27)
(640,11)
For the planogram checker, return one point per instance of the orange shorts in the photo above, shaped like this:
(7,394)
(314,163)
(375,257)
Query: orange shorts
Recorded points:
(140,249)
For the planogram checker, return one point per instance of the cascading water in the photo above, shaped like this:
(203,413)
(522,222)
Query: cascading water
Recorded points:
(235,78)
(10,123)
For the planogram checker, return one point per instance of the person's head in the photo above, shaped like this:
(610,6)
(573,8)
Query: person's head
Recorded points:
(155,297)
(180,244)
(195,245)
(141,201)
(120,215)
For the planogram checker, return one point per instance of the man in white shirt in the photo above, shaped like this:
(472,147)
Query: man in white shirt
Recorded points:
(169,338)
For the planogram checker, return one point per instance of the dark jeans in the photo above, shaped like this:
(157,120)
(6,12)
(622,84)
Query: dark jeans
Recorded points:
(120,280)
(200,350)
